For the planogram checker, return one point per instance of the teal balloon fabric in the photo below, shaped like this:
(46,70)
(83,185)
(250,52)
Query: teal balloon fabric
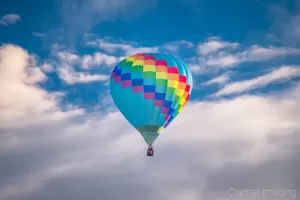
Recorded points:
(150,90)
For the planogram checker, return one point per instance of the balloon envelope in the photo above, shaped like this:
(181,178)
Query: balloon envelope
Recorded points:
(150,89)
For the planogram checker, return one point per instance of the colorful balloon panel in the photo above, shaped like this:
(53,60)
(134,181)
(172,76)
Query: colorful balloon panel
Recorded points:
(150,90)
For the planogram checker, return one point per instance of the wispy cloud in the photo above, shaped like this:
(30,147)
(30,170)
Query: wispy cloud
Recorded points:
(216,54)
(48,66)
(196,69)
(175,46)
(10,19)
(74,68)
(258,53)
(127,48)
(70,76)
(98,59)
(68,57)
(87,61)
(286,23)
(219,80)
(280,74)
(67,62)
(80,17)
(254,53)
(37,34)
(214,44)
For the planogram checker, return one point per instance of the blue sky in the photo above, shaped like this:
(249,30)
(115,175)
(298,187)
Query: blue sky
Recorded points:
(59,122)
(151,24)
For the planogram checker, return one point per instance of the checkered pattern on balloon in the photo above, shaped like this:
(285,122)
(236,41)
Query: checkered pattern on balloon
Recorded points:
(158,82)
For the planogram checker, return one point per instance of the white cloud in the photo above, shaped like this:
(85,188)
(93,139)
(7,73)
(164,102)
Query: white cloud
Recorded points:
(281,74)
(20,94)
(127,48)
(96,153)
(48,67)
(110,47)
(258,53)
(67,57)
(68,61)
(86,61)
(100,150)
(56,47)
(10,19)
(96,129)
(70,76)
(214,44)
(250,118)
(215,53)
(135,50)
(222,60)
(254,53)
(196,69)
(220,80)
(175,46)
(98,59)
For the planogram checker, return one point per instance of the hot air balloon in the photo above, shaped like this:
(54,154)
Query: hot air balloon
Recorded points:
(150,90)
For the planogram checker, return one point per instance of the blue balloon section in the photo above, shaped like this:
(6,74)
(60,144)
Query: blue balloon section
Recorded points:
(150,90)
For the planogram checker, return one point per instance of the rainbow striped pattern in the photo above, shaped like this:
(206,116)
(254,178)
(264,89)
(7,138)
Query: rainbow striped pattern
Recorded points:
(159,82)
